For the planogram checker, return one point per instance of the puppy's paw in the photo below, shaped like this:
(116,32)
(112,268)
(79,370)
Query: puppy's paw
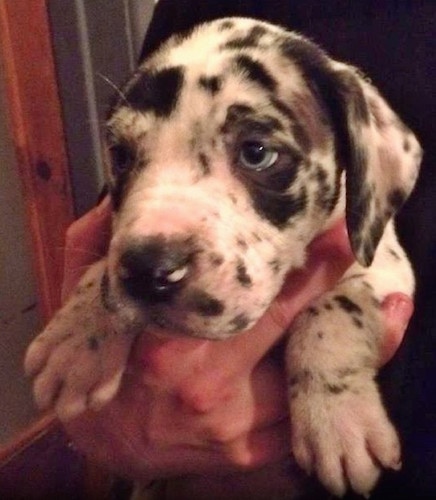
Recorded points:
(343,435)
(78,360)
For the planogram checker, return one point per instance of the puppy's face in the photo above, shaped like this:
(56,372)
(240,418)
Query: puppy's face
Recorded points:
(223,167)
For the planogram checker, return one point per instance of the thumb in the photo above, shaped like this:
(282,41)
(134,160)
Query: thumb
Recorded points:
(397,309)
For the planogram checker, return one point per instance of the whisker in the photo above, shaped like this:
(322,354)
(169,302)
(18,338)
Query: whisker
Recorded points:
(118,91)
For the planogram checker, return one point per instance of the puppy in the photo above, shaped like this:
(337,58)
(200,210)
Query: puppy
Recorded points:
(231,149)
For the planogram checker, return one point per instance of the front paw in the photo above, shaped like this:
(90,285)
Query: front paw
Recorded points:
(78,360)
(341,433)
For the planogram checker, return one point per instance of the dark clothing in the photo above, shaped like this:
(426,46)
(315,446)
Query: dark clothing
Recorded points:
(394,42)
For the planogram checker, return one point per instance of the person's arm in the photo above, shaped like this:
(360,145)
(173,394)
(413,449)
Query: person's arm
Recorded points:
(191,406)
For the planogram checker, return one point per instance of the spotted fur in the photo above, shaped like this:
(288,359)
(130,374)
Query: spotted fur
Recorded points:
(230,149)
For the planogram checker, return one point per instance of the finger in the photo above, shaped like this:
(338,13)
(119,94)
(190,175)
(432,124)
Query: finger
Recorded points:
(397,309)
(86,241)
(259,447)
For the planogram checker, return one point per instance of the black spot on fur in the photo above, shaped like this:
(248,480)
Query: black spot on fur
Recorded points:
(359,107)
(204,162)
(302,377)
(226,25)
(236,113)
(367,285)
(123,159)
(396,199)
(80,289)
(277,208)
(375,234)
(241,117)
(216,259)
(313,311)
(252,39)
(336,92)
(368,250)
(340,95)
(104,292)
(361,205)
(157,92)
(211,84)
(394,254)
(205,305)
(233,198)
(241,243)
(353,277)
(335,388)
(239,322)
(320,335)
(106,299)
(406,144)
(300,134)
(275,266)
(346,372)
(326,196)
(327,192)
(328,306)
(357,322)
(255,71)
(347,304)
(242,275)
(77,306)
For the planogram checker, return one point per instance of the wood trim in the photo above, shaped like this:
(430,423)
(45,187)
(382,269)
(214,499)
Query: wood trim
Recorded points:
(37,130)
(27,63)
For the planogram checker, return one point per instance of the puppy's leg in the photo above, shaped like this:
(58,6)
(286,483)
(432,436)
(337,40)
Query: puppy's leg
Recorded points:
(78,360)
(340,429)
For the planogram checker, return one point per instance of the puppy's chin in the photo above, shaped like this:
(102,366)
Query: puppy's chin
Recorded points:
(166,321)
(172,321)
(174,330)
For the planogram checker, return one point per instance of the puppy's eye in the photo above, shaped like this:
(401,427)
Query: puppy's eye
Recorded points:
(256,156)
(122,158)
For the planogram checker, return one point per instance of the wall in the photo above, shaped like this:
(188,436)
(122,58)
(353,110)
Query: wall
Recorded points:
(96,47)
(18,302)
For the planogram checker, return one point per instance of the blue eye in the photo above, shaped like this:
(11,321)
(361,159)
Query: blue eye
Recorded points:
(255,156)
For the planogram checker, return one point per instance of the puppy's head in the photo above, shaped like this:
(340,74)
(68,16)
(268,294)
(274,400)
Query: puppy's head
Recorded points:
(226,154)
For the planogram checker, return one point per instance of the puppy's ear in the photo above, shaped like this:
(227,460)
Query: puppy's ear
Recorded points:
(381,158)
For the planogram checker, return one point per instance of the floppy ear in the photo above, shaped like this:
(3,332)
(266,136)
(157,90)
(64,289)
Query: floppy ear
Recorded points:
(381,158)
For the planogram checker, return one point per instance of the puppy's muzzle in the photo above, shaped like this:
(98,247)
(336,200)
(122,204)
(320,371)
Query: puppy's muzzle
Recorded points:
(157,268)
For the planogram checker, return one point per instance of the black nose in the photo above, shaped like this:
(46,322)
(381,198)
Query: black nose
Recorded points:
(155,269)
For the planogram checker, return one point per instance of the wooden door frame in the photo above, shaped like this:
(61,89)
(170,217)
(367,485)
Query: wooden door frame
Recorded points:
(37,130)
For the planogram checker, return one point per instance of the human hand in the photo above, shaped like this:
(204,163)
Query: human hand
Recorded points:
(199,406)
